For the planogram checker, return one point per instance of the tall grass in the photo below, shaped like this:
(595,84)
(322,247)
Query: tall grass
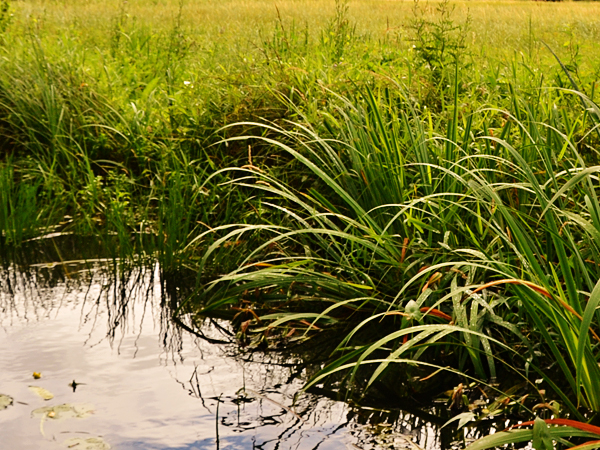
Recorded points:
(319,172)
(465,250)
(19,209)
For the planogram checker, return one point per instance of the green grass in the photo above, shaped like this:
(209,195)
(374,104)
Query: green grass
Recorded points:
(477,249)
(421,180)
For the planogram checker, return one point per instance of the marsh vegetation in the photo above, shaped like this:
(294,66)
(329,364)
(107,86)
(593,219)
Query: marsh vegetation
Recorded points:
(416,181)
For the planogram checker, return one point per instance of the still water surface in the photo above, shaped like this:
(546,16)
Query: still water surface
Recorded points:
(150,384)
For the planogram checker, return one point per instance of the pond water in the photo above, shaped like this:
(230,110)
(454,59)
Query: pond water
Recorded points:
(142,382)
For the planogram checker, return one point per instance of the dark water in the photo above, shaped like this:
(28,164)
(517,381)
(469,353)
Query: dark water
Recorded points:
(149,384)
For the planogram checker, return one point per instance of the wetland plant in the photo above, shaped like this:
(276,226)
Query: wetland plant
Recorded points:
(470,251)
(427,231)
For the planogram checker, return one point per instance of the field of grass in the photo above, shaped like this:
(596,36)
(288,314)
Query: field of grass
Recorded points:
(420,179)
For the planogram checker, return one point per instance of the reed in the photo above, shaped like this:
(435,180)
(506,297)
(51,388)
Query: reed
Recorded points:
(434,242)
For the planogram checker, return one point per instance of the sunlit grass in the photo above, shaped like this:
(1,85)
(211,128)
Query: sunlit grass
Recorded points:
(321,168)
(497,26)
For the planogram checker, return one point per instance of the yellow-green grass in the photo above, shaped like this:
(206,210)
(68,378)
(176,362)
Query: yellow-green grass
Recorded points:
(497,26)
(115,113)
(125,80)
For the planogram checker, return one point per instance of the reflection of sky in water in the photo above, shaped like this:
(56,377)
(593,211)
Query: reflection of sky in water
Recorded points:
(152,386)
(148,393)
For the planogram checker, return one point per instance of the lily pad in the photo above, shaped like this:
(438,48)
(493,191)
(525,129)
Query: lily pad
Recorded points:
(40,391)
(65,411)
(5,401)
(95,443)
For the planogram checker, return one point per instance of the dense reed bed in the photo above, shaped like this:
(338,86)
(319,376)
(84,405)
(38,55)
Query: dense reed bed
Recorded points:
(418,180)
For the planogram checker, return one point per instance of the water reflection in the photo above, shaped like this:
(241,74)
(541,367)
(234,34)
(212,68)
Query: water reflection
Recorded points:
(155,383)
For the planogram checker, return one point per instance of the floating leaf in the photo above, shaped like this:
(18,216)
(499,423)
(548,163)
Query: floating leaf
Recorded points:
(65,411)
(95,443)
(44,393)
(5,401)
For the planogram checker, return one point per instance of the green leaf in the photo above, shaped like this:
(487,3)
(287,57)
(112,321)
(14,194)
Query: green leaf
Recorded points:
(541,435)
(587,446)
(282,318)
(516,436)
(587,368)
(463,419)
(149,88)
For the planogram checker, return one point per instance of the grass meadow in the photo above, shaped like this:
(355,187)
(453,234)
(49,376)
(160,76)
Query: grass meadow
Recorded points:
(418,181)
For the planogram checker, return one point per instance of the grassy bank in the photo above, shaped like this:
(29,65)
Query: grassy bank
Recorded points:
(421,178)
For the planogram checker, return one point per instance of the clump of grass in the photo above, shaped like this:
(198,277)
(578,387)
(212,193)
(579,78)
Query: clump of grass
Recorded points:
(20,211)
(449,239)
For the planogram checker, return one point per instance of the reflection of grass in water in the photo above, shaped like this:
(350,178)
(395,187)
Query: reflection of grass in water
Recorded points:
(272,367)
(114,295)
(313,353)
